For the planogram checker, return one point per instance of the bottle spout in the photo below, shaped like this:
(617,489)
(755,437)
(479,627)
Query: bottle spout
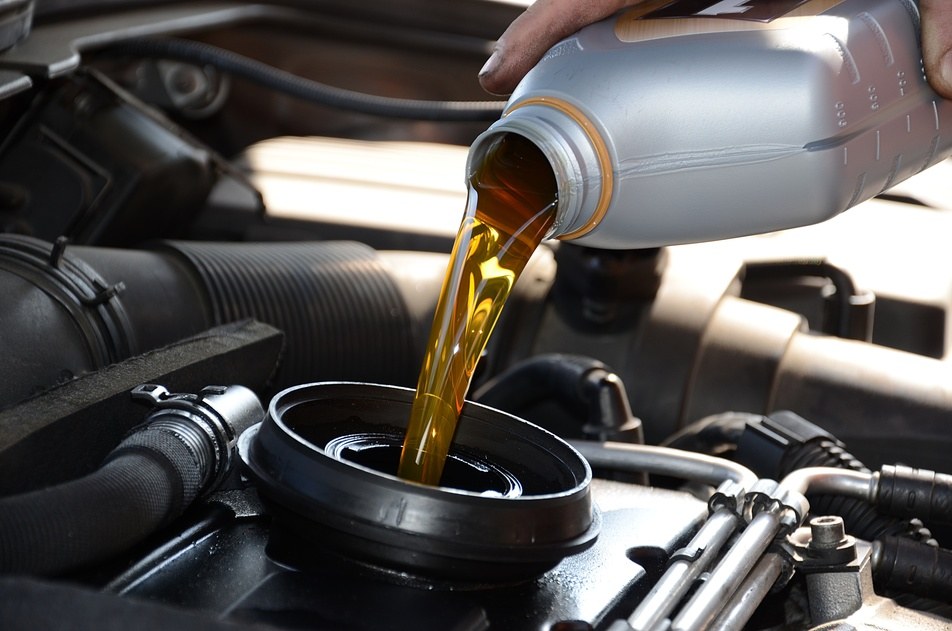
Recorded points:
(574,148)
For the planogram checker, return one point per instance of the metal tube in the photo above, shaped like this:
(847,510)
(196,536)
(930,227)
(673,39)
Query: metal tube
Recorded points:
(684,465)
(750,594)
(733,568)
(680,575)
(832,481)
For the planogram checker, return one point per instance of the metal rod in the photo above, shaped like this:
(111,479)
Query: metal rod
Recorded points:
(676,463)
(733,568)
(750,594)
(832,481)
(681,574)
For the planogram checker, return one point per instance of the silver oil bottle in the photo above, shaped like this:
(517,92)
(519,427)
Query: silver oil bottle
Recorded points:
(671,124)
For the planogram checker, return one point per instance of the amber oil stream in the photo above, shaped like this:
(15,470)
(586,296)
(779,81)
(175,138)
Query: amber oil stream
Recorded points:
(510,208)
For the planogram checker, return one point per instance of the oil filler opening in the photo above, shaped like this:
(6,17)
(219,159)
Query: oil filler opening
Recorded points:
(463,470)
(513,502)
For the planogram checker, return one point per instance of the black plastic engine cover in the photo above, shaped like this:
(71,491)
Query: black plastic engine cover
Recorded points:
(239,570)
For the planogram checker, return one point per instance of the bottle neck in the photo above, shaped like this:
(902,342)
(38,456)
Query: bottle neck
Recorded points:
(574,149)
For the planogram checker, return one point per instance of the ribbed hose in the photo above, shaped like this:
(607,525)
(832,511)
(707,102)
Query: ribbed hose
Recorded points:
(139,489)
(335,301)
(916,575)
(183,448)
(59,317)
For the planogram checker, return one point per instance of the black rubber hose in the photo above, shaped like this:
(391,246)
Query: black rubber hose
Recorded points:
(585,387)
(907,492)
(713,435)
(59,318)
(79,308)
(307,89)
(183,449)
(536,379)
(145,482)
(913,567)
(861,518)
(774,446)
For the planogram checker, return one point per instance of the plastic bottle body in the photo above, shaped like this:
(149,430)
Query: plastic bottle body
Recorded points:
(664,131)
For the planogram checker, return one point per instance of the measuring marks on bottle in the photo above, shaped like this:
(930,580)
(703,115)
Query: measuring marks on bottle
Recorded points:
(923,123)
(878,54)
(888,77)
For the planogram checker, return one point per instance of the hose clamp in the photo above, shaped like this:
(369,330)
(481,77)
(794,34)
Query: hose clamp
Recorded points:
(208,422)
(770,496)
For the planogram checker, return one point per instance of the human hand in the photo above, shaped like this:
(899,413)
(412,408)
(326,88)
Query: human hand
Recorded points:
(937,44)
(547,21)
(534,32)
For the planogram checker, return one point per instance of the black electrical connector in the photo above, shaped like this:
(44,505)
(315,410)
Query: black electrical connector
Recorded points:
(784,442)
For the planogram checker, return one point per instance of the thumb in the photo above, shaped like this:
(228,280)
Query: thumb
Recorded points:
(540,27)
(937,44)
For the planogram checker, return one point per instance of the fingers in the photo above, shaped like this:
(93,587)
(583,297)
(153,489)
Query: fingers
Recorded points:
(530,35)
(547,21)
(937,44)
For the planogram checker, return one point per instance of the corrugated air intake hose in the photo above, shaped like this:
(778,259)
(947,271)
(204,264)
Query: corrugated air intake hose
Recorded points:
(75,309)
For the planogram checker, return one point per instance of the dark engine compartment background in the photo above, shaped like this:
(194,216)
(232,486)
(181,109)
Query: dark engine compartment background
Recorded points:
(221,232)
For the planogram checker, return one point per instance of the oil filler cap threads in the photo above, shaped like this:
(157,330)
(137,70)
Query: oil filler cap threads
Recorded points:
(516,499)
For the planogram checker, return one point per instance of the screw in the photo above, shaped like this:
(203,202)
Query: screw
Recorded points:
(827,532)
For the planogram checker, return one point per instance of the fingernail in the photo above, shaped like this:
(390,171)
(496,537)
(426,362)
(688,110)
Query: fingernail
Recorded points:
(945,67)
(490,66)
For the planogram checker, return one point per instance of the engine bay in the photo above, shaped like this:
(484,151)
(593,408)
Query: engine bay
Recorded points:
(223,232)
